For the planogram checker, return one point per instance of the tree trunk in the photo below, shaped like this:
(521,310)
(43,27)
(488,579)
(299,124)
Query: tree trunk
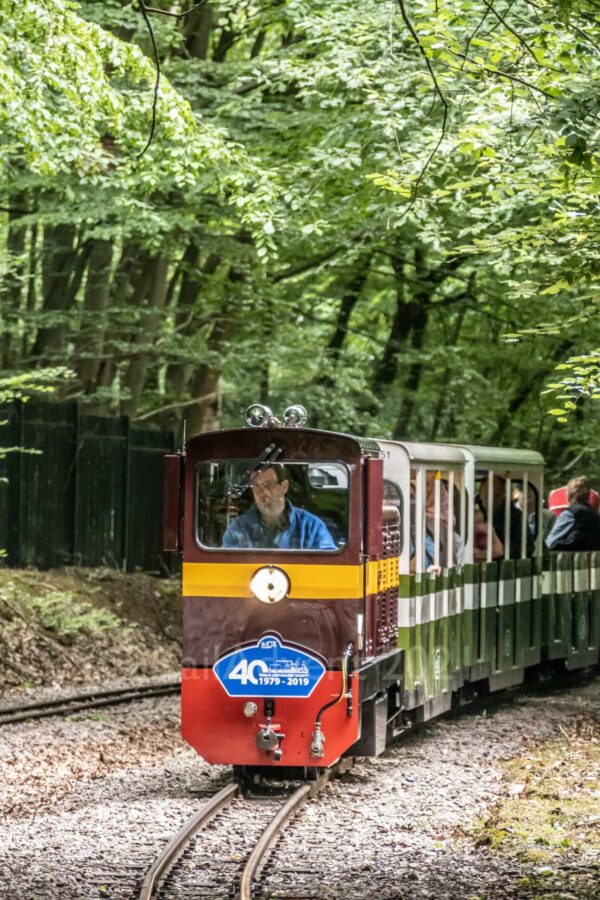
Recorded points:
(127,289)
(413,380)
(350,298)
(90,343)
(11,287)
(386,369)
(179,373)
(206,381)
(419,316)
(446,381)
(58,264)
(197,29)
(530,385)
(145,336)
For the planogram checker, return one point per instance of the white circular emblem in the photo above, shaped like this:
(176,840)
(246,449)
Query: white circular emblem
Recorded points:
(270,584)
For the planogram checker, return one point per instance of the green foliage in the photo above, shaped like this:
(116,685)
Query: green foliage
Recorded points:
(581,383)
(75,111)
(23,386)
(390,219)
(60,612)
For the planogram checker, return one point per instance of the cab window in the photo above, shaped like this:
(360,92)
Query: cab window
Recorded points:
(298,506)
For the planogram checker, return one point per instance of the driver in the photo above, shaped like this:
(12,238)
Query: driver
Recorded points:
(273,522)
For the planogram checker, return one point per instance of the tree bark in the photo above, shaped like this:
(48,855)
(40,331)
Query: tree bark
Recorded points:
(197,29)
(387,368)
(186,320)
(350,298)
(11,287)
(90,343)
(58,265)
(145,336)
(207,378)
(446,381)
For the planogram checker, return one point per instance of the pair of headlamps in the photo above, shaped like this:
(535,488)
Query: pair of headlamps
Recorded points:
(258,416)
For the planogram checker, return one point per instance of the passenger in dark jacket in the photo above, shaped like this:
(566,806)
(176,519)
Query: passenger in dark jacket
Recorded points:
(578,527)
(498,517)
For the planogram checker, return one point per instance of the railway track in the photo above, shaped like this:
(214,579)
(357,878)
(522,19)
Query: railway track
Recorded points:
(197,864)
(90,700)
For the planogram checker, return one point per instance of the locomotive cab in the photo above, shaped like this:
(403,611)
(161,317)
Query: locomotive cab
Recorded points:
(278,669)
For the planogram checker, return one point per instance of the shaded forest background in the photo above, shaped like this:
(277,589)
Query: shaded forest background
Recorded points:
(385,211)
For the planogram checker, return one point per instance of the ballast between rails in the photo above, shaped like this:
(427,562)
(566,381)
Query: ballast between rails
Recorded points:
(265,844)
(65,706)
(175,847)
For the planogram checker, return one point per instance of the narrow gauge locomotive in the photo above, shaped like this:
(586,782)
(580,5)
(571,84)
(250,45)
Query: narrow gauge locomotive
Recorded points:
(294,657)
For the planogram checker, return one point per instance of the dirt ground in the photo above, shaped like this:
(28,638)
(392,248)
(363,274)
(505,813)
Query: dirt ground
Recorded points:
(75,626)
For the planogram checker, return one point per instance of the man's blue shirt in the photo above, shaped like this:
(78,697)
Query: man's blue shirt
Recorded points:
(302,531)
(562,529)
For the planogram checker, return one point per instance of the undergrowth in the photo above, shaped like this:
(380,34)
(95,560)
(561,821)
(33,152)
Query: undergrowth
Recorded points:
(60,612)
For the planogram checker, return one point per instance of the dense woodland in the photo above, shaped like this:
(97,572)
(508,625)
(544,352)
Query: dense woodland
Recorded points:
(387,211)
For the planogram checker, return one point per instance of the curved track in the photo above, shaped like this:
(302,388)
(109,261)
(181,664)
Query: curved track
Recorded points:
(186,843)
(90,700)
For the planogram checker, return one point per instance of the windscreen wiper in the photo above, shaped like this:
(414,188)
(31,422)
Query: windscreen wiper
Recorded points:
(266,459)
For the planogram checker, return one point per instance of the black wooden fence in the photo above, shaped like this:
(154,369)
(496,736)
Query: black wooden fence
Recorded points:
(90,494)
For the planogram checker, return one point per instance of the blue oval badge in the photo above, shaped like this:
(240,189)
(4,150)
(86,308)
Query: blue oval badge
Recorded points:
(269,668)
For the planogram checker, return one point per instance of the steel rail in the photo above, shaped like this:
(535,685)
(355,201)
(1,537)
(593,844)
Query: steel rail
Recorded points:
(175,847)
(89,700)
(269,835)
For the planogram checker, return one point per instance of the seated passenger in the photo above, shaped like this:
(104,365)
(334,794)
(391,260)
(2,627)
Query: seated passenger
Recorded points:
(480,539)
(447,559)
(272,522)
(578,527)
(548,519)
(498,519)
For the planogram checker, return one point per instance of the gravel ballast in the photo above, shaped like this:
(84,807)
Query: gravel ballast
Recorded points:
(88,802)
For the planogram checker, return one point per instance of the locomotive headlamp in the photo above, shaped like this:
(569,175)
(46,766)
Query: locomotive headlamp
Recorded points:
(295,416)
(249,709)
(258,415)
(270,584)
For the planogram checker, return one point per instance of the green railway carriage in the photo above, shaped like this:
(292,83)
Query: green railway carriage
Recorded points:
(430,582)
(463,620)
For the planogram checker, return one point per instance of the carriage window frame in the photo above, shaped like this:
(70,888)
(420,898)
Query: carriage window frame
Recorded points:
(400,508)
(313,463)
(516,479)
(460,500)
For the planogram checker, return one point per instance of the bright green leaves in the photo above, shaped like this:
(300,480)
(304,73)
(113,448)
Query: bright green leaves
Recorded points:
(75,113)
(581,383)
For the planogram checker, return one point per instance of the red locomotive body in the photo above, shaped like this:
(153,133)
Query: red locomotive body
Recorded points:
(275,669)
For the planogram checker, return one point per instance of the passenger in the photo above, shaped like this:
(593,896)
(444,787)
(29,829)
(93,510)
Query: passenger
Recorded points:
(480,537)
(430,566)
(578,527)
(548,519)
(273,522)
(446,559)
(498,518)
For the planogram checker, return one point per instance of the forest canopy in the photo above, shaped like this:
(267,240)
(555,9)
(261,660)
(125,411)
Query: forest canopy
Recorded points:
(385,211)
